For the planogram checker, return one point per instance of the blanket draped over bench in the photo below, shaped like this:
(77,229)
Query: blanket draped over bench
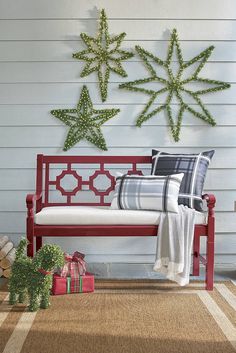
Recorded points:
(65,183)
(174,245)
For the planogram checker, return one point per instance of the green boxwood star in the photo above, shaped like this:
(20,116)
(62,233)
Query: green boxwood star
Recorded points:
(175,85)
(84,122)
(103,54)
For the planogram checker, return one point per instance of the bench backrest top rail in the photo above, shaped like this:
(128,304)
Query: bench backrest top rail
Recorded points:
(96,159)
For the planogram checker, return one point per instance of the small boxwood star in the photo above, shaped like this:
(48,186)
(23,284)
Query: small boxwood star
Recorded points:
(103,54)
(84,122)
(175,85)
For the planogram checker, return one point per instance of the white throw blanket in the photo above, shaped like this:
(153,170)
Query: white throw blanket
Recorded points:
(174,244)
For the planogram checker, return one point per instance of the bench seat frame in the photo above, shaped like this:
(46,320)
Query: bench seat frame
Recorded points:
(39,200)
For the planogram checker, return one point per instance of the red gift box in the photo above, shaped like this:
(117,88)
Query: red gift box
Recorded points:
(59,285)
(66,285)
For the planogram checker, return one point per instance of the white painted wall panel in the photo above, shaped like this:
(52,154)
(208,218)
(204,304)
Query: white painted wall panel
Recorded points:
(122,9)
(224,157)
(68,94)
(135,29)
(38,74)
(146,136)
(53,72)
(39,115)
(30,51)
(133,9)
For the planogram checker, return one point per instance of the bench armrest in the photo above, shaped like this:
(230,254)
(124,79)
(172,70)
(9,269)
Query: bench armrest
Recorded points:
(211,201)
(31,198)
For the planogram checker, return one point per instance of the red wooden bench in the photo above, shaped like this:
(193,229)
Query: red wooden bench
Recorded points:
(133,165)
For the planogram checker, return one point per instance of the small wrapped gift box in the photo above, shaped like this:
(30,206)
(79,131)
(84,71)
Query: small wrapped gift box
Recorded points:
(66,285)
(74,265)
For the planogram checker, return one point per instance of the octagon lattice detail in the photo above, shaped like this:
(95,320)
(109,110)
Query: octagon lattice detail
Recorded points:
(61,176)
(94,176)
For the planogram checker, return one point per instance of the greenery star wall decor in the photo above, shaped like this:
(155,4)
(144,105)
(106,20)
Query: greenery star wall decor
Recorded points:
(85,122)
(103,55)
(175,86)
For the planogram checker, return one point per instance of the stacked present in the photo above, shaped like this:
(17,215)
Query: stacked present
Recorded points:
(66,285)
(73,278)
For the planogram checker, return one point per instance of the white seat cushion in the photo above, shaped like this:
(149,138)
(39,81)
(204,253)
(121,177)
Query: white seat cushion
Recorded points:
(92,215)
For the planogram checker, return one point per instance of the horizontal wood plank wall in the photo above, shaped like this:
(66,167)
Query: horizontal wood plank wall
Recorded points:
(38,74)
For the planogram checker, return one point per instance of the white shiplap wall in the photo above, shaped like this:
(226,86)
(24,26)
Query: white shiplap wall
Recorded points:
(38,73)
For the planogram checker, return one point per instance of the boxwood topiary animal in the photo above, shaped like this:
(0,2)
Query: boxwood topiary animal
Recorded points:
(32,278)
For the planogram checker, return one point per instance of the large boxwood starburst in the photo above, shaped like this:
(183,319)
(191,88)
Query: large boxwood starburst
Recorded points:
(175,85)
(103,54)
(85,122)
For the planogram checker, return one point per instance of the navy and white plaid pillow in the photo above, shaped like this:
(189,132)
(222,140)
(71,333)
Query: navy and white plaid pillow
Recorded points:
(194,167)
(158,193)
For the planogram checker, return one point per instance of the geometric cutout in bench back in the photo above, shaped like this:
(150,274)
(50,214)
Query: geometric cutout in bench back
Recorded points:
(106,175)
(72,179)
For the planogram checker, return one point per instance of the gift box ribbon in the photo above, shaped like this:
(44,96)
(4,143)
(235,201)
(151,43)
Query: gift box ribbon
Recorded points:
(74,266)
(74,285)
(76,257)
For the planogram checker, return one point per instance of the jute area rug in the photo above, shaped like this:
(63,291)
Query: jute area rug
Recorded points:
(126,317)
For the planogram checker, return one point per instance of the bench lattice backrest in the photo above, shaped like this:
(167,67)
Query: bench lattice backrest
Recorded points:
(83,180)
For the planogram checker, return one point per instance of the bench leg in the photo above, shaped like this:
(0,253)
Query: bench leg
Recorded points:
(30,237)
(210,255)
(210,266)
(196,253)
(38,243)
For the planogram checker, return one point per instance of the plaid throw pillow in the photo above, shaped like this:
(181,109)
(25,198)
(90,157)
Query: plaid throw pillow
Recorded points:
(194,167)
(158,193)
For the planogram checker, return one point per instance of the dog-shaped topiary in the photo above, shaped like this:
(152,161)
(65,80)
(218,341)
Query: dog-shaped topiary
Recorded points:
(32,278)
